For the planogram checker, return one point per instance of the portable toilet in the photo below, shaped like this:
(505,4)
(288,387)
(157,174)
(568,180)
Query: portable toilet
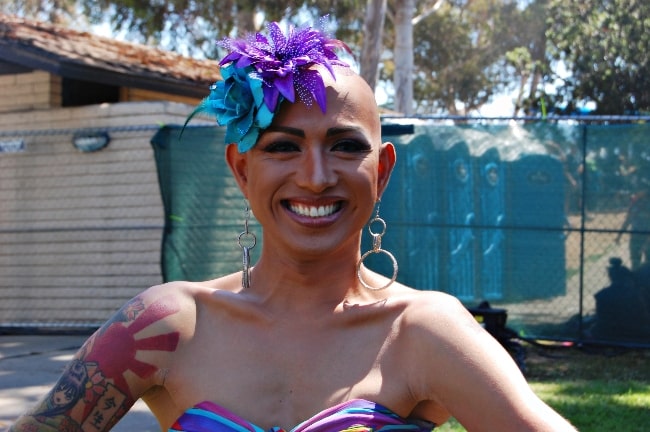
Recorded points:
(489,200)
(458,217)
(535,266)
(422,202)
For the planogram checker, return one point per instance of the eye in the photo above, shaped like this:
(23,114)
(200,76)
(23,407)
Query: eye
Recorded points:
(352,146)
(281,147)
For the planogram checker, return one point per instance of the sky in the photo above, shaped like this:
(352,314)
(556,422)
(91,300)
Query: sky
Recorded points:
(501,106)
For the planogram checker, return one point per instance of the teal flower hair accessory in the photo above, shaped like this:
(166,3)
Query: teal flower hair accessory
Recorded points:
(238,103)
(260,72)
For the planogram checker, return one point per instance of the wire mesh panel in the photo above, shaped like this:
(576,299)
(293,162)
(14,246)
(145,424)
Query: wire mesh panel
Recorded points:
(549,221)
(616,226)
(552,206)
(491,211)
(204,209)
(79,230)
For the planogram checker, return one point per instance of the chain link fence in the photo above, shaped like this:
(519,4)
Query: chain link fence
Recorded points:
(79,228)
(547,220)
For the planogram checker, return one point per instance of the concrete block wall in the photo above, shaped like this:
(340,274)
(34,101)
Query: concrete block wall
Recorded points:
(29,91)
(80,233)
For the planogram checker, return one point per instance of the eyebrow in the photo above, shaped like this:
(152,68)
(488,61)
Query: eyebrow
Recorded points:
(340,130)
(300,133)
(286,129)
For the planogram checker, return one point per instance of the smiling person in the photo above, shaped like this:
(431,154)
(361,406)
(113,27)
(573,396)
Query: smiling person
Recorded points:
(307,338)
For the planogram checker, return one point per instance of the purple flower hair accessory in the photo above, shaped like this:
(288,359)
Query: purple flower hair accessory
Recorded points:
(285,62)
(260,72)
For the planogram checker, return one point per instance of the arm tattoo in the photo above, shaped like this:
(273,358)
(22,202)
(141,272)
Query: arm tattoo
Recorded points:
(95,390)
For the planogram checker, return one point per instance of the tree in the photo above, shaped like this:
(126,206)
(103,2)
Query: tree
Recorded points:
(449,56)
(604,44)
(403,16)
(179,25)
(373,31)
(526,57)
(403,57)
(460,54)
(57,11)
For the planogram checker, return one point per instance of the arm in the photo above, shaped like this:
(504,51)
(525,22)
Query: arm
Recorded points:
(106,376)
(461,367)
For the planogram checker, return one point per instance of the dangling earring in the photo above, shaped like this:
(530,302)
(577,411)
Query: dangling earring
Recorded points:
(249,241)
(376,248)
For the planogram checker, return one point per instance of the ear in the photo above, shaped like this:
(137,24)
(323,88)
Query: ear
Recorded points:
(387,158)
(238,164)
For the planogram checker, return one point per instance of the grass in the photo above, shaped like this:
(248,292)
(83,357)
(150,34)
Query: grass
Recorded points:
(598,389)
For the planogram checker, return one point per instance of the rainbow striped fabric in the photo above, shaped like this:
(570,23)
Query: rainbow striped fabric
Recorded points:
(357,415)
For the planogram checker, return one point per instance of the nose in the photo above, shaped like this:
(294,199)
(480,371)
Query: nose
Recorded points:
(316,171)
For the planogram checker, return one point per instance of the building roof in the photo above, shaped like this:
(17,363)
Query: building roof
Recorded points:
(35,45)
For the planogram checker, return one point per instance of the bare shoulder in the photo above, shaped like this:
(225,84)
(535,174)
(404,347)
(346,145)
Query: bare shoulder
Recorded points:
(125,358)
(145,334)
(435,311)
(439,328)
(171,306)
(151,325)
(453,362)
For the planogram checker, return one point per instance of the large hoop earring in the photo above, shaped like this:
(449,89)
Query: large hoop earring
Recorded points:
(376,248)
(247,241)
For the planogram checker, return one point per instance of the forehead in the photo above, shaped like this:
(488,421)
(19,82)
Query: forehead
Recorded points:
(350,101)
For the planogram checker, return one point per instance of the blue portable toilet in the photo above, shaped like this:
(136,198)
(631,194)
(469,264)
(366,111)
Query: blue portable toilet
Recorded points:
(535,265)
(489,199)
(422,201)
(458,255)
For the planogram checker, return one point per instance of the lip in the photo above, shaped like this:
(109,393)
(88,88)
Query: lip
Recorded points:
(313,213)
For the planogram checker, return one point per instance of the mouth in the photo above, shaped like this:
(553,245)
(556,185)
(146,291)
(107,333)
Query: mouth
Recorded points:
(314,211)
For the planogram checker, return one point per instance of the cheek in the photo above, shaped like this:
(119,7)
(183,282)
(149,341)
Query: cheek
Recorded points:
(261,186)
(364,188)
(368,173)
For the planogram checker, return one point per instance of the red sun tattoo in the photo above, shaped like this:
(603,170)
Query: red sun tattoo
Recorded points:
(119,334)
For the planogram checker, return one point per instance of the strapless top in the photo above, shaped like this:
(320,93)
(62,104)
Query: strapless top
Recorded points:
(357,415)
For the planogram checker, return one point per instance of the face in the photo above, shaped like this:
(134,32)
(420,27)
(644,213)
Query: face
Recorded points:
(62,396)
(313,179)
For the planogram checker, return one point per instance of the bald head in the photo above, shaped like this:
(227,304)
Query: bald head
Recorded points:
(349,98)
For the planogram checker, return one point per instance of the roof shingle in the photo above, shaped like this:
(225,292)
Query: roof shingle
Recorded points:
(83,55)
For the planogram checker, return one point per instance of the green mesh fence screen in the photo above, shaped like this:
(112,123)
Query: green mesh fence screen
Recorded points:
(546,220)
(204,209)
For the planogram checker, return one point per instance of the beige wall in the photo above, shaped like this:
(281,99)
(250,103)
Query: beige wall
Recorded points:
(79,232)
(41,90)
(28,91)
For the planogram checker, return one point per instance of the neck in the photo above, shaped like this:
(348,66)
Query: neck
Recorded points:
(303,283)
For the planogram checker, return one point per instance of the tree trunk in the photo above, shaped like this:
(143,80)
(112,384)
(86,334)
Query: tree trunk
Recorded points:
(403,55)
(373,30)
(246,21)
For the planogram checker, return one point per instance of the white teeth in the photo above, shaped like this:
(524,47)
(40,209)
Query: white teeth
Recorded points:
(313,211)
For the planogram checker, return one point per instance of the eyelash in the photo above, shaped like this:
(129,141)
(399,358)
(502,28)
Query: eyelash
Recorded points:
(354,146)
(346,145)
(281,147)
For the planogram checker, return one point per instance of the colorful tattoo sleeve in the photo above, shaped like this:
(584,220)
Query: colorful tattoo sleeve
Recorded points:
(93,393)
